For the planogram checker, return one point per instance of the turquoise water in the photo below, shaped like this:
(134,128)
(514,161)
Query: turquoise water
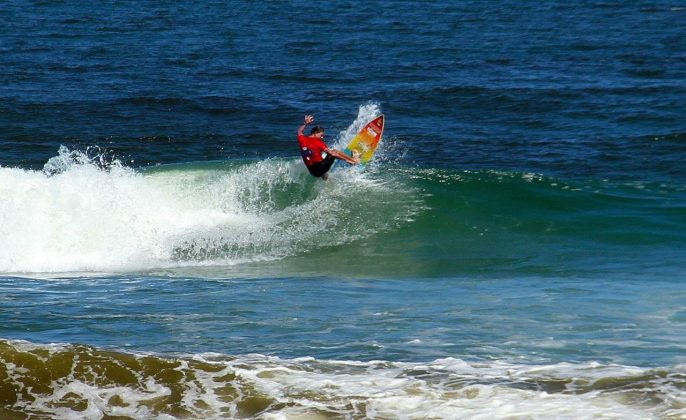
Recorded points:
(532,319)
(516,249)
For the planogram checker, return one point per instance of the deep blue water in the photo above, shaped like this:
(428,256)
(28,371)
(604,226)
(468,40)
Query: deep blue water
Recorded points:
(516,248)
(582,88)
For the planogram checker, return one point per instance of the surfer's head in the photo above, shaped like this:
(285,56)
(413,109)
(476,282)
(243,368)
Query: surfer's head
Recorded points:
(317,131)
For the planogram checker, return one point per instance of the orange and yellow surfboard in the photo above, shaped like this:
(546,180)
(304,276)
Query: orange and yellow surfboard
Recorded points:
(367,140)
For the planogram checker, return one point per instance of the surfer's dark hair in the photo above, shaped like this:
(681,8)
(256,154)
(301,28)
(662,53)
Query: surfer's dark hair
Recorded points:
(317,129)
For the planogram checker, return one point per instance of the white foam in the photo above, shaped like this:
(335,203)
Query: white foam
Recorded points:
(447,388)
(307,387)
(80,215)
(86,218)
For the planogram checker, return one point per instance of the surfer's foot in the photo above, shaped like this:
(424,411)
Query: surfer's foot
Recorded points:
(325,177)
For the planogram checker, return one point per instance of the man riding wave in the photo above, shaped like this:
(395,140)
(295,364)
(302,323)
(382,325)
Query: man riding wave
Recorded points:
(317,156)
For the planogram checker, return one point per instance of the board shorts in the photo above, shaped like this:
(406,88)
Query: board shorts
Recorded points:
(318,169)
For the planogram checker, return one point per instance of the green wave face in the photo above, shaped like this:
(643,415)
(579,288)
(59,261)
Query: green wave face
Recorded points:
(480,222)
(426,222)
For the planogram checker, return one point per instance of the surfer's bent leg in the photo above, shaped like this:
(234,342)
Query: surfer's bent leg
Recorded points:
(319,169)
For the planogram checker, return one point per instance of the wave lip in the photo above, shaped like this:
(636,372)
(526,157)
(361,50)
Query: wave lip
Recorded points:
(72,380)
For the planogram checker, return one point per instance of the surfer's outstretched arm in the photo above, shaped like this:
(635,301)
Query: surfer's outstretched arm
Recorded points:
(342,156)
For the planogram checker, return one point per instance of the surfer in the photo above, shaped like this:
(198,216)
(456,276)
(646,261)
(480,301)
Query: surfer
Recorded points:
(319,157)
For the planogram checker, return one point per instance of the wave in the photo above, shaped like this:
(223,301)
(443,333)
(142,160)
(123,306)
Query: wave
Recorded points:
(88,212)
(79,216)
(66,381)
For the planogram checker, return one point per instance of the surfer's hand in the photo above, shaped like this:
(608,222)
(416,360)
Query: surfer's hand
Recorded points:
(356,157)
(309,119)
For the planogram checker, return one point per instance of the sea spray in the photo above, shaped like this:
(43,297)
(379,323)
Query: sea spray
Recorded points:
(365,114)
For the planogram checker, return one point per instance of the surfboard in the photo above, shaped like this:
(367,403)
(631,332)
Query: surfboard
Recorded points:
(367,140)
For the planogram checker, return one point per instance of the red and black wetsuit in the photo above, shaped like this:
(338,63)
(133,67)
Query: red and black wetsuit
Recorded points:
(318,162)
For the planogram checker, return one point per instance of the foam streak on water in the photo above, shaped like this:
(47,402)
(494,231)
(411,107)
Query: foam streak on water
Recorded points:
(66,381)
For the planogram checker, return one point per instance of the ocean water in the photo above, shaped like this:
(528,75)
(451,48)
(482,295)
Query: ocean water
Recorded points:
(516,249)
